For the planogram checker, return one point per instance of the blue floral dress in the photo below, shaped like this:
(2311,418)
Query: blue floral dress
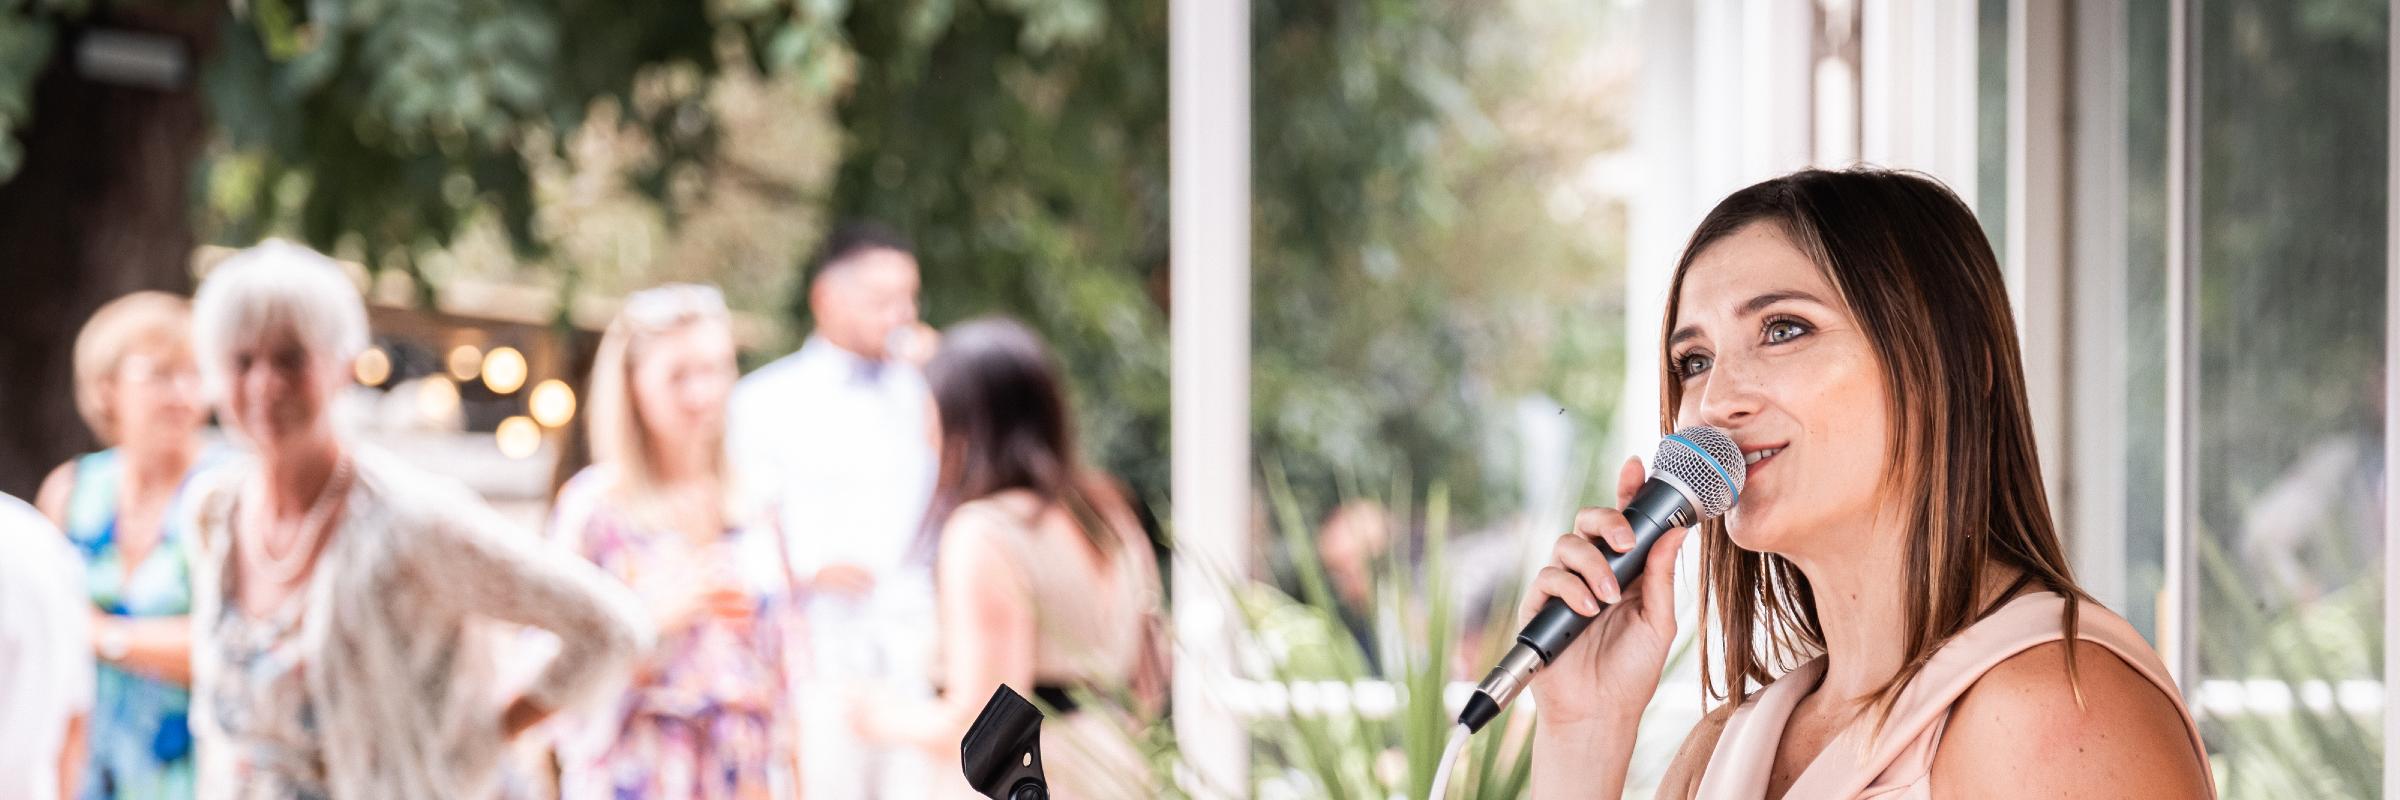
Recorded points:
(140,743)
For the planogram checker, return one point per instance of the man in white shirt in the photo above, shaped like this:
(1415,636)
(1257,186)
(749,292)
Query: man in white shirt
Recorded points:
(841,435)
(45,657)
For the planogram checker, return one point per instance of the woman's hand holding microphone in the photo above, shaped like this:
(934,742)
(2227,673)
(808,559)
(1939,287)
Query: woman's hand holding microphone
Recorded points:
(1592,696)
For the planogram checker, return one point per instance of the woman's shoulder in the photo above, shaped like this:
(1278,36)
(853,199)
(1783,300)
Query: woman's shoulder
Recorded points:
(2101,727)
(380,474)
(390,495)
(58,489)
(1009,512)
(2103,715)
(589,485)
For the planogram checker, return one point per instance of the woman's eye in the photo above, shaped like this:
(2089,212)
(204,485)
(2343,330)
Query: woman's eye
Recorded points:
(1784,331)
(1693,364)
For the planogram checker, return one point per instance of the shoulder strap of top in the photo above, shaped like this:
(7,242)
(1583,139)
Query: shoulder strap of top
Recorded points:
(92,503)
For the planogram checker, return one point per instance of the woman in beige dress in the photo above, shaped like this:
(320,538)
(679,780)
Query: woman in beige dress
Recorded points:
(333,657)
(1890,572)
(1046,581)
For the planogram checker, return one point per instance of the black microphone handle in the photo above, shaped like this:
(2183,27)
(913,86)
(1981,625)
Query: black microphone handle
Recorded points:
(1659,507)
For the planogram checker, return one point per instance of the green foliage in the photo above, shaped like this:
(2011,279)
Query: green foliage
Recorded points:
(2306,752)
(1356,364)
(24,47)
(396,121)
(1022,144)
(1410,281)
(1348,755)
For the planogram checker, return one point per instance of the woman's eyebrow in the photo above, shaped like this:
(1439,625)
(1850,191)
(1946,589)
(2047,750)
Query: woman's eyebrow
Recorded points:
(1755,305)
(1760,302)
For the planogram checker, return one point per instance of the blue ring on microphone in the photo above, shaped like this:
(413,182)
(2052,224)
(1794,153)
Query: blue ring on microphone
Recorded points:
(1711,461)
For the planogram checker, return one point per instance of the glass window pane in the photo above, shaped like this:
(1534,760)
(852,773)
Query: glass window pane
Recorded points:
(2287,392)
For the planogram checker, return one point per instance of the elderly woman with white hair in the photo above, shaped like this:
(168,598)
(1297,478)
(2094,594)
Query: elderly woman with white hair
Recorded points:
(333,655)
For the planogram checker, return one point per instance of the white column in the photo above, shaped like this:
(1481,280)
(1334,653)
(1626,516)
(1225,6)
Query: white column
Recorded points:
(1725,103)
(2391,408)
(2037,224)
(2178,603)
(1917,81)
(1777,78)
(2095,452)
(1208,64)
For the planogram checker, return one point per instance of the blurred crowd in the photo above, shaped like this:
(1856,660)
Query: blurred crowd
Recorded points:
(803,582)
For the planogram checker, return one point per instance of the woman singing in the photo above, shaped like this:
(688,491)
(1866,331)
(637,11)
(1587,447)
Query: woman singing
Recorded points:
(1890,582)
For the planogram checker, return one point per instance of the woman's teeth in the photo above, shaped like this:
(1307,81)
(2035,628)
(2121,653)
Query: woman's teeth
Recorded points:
(1753,458)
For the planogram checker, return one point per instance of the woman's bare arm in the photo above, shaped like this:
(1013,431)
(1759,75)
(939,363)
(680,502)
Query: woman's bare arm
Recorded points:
(156,647)
(2123,739)
(56,490)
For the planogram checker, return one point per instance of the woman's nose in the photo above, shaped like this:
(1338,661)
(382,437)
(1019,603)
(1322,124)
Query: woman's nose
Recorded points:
(1730,396)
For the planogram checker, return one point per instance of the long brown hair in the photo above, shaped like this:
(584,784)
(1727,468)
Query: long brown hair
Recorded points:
(1915,270)
(1005,426)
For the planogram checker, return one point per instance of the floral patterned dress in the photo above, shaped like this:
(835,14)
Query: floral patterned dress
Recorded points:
(707,715)
(140,742)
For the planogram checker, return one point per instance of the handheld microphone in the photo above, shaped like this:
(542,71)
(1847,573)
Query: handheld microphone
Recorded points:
(1696,475)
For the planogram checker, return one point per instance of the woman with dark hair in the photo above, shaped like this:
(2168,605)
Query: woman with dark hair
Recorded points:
(1897,613)
(1046,582)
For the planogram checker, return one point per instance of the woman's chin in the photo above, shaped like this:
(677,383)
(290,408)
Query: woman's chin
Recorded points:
(1755,532)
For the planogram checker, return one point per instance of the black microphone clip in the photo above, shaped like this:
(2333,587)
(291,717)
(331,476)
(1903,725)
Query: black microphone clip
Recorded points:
(1002,753)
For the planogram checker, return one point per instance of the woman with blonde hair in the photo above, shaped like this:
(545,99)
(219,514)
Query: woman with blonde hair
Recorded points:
(138,389)
(333,654)
(707,713)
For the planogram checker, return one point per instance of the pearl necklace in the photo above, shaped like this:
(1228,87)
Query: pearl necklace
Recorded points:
(299,555)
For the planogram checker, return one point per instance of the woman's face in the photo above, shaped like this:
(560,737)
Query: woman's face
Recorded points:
(1766,350)
(680,383)
(153,399)
(278,393)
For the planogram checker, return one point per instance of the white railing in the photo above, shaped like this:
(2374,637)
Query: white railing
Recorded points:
(1381,699)
(2221,698)
(2267,697)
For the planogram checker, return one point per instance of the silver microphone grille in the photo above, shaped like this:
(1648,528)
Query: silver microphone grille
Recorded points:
(1707,461)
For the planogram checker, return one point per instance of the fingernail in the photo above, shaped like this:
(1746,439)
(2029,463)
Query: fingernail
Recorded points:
(1613,596)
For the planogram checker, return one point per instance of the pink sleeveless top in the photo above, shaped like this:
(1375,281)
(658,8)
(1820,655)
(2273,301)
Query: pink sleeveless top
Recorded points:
(1899,765)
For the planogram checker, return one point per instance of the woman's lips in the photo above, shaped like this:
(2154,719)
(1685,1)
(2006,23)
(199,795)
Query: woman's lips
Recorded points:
(1757,459)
